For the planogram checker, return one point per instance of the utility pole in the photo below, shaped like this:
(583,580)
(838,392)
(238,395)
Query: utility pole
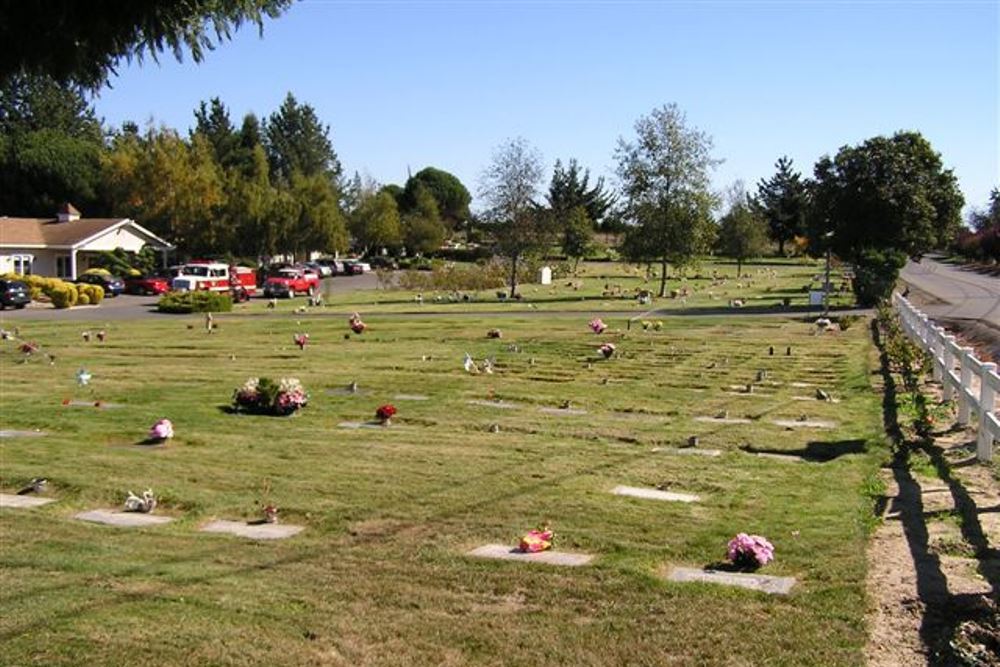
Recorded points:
(826,283)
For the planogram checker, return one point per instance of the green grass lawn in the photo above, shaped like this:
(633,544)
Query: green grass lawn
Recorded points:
(378,577)
(611,286)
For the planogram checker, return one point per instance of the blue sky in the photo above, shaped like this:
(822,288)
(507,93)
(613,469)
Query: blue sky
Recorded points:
(411,84)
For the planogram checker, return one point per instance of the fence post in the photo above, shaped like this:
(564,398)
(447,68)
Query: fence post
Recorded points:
(934,347)
(987,403)
(966,376)
(948,390)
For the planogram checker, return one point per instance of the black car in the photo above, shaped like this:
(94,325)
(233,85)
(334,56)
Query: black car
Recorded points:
(14,293)
(113,285)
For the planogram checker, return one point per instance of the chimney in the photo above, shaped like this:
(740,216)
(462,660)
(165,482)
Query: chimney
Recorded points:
(68,213)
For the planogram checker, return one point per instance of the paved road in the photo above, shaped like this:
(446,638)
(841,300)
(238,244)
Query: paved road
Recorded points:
(956,292)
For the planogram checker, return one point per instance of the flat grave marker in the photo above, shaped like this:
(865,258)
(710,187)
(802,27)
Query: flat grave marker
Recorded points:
(804,423)
(100,405)
(357,425)
(254,531)
(688,451)
(655,494)
(757,582)
(13,433)
(505,552)
(570,412)
(411,397)
(723,420)
(20,502)
(122,519)
(502,405)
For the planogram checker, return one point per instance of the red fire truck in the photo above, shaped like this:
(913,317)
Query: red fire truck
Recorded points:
(240,281)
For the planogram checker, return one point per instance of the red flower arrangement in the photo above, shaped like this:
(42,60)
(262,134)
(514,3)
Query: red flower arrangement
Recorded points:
(384,413)
(301,339)
(357,326)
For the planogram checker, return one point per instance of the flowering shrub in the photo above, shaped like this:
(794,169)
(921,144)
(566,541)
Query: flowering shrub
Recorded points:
(608,349)
(597,325)
(161,430)
(385,412)
(265,396)
(749,551)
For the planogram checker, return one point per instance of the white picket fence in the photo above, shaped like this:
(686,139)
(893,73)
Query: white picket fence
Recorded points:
(963,377)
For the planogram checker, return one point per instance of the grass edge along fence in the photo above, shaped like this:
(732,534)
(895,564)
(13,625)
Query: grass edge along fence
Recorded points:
(958,370)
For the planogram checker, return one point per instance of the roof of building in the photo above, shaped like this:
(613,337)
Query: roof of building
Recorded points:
(68,209)
(50,232)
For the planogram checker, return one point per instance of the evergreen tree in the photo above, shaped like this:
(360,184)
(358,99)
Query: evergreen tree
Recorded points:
(783,200)
(212,121)
(451,196)
(569,188)
(297,142)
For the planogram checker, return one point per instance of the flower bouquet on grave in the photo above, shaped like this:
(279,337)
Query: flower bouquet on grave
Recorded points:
(597,326)
(357,326)
(161,431)
(539,539)
(607,350)
(749,552)
(270,513)
(301,339)
(145,503)
(385,413)
(28,348)
(494,333)
(265,396)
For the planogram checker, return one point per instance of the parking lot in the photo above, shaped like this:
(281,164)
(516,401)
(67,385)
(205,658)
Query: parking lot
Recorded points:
(129,307)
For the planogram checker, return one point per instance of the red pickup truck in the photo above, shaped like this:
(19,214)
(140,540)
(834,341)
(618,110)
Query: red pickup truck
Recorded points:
(286,283)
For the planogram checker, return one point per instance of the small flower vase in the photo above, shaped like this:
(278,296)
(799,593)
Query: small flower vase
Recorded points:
(386,421)
(270,514)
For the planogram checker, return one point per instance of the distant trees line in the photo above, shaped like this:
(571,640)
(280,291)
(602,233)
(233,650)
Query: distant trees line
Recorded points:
(276,186)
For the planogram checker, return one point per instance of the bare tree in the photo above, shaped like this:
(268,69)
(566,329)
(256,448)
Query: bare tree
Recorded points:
(510,187)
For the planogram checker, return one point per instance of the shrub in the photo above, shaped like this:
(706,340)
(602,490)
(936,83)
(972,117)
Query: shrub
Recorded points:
(875,274)
(64,295)
(83,299)
(96,294)
(195,302)
(846,321)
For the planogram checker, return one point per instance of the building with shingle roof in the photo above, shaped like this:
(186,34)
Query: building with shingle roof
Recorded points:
(66,245)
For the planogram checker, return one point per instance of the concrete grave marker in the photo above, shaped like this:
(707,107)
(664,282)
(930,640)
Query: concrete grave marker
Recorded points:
(502,405)
(21,502)
(803,423)
(122,519)
(723,420)
(688,451)
(654,494)
(254,531)
(504,552)
(563,411)
(20,434)
(411,397)
(757,582)
(101,405)
(357,425)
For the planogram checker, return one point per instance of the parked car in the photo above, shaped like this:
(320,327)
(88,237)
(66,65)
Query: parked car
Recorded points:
(335,265)
(14,293)
(286,283)
(147,284)
(113,285)
(383,262)
(323,270)
(355,267)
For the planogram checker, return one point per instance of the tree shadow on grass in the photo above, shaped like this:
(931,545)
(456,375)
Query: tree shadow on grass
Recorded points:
(815,452)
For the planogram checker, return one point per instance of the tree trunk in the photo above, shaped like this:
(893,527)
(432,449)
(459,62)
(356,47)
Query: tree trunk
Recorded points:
(663,278)
(781,247)
(513,275)
(739,267)
(576,265)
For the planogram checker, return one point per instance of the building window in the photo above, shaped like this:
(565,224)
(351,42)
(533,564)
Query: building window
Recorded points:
(22,264)
(63,267)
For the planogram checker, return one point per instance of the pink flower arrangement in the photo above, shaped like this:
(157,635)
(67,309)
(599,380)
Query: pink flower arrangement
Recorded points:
(161,430)
(537,540)
(28,348)
(357,326)
(749,551)
(385,413)
(301,339)
(608,349)
(597,326)
(270,513)
(265,396)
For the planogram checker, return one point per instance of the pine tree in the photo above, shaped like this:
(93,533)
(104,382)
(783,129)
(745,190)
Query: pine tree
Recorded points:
(784,202)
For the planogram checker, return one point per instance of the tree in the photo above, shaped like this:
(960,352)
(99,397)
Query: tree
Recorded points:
(83,42)
(569,189)
(375,223)
(212,122)
(509,186)
(665,181)
(451,196)
(423,231)
(317,222)
(784,202)
(50,148)
(984,219)
(296,141)
(577,235)
(886,196)
(742,233)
